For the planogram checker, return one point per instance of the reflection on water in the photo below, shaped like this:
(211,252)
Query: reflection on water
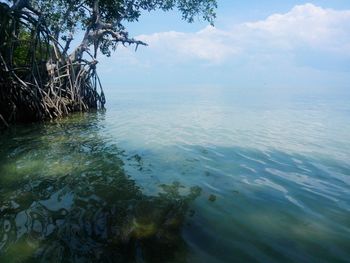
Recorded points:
(181,177)
(65,197)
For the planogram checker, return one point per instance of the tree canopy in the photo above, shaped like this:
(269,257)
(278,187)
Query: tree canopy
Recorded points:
(42,76)
(104,20)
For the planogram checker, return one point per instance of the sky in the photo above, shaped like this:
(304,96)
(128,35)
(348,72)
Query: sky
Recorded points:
(271,44)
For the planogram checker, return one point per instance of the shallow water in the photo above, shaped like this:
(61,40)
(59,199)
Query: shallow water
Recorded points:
(206,175)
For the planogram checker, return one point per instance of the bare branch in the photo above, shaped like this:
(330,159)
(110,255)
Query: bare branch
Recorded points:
(19,5)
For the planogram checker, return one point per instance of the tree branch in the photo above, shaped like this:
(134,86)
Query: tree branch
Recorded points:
(20,4)
(96,32)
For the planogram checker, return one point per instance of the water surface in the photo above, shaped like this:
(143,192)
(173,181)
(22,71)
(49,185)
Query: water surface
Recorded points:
(204,175)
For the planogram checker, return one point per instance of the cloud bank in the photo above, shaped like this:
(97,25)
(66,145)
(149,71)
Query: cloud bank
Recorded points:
(305,29)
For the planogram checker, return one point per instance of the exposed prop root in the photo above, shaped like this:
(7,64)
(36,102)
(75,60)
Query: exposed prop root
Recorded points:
(38,80)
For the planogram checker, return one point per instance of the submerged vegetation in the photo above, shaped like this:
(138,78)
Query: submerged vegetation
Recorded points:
(68,199)
(42,76)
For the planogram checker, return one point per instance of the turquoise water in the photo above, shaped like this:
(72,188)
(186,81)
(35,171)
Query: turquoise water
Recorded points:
(203,175)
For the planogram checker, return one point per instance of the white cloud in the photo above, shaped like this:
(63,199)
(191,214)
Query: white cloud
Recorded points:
(307,26)
(208,44)
(303,27)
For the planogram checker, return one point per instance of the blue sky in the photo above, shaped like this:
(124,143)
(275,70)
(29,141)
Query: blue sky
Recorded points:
(272,44)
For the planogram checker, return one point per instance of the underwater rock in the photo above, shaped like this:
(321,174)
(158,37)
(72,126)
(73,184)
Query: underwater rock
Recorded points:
(212,198)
